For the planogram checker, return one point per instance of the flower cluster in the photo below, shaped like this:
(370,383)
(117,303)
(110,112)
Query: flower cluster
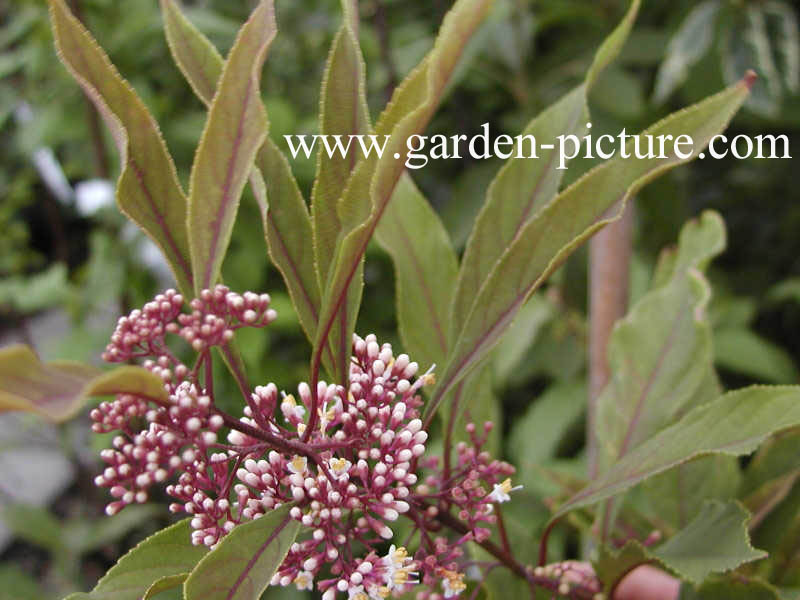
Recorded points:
(349,479)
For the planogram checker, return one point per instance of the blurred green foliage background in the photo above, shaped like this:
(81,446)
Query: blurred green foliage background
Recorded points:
(68,268)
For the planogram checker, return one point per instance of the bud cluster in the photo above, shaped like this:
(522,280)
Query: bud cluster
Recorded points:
(348,480)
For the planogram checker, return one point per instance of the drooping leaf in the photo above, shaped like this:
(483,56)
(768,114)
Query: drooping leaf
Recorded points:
(58,389)
(688,45)
(236,127)
(54,390)
(372,184)
(241,567)
(735,423)
(166,553)
(523,186)
(569,220)
(148,191)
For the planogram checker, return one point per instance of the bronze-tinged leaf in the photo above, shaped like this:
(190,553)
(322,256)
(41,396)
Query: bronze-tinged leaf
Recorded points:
(148,191)
(235,129)
(58,389)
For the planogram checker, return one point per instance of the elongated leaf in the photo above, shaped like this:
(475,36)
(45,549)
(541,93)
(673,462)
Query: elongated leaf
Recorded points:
(287,225)
(523,186)
(343,113)
(241,567)
(659,354)
(148,191)
(195,55)
(58,389)
(372,184)
(289,236)
(569,220)
(236,127)
(734,424)
(425,271)
(687,46)
(167,553)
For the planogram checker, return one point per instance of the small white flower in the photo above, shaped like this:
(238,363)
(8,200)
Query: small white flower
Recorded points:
(339,467)
(452,583)
(290,408)
(298,464)
(356,592)
(501,492)
(304,580)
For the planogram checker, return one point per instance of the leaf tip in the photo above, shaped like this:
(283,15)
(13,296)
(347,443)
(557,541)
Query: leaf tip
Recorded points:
(749,79)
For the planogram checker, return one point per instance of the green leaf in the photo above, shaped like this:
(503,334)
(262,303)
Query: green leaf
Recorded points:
(523,186)
(83,535)
(743,351)
(732,587)
(34,524)
(514,350)
(660,352)
(236,127)
(31,293)
(148,191)
(166,553)
(241,567)
(58,389)
(733,424)
(425,271)
(676,496)
(173,583)
(536,435)
(566,222)
(715,541)
(372,184)
(686,47)
(778,457)
(16,584)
